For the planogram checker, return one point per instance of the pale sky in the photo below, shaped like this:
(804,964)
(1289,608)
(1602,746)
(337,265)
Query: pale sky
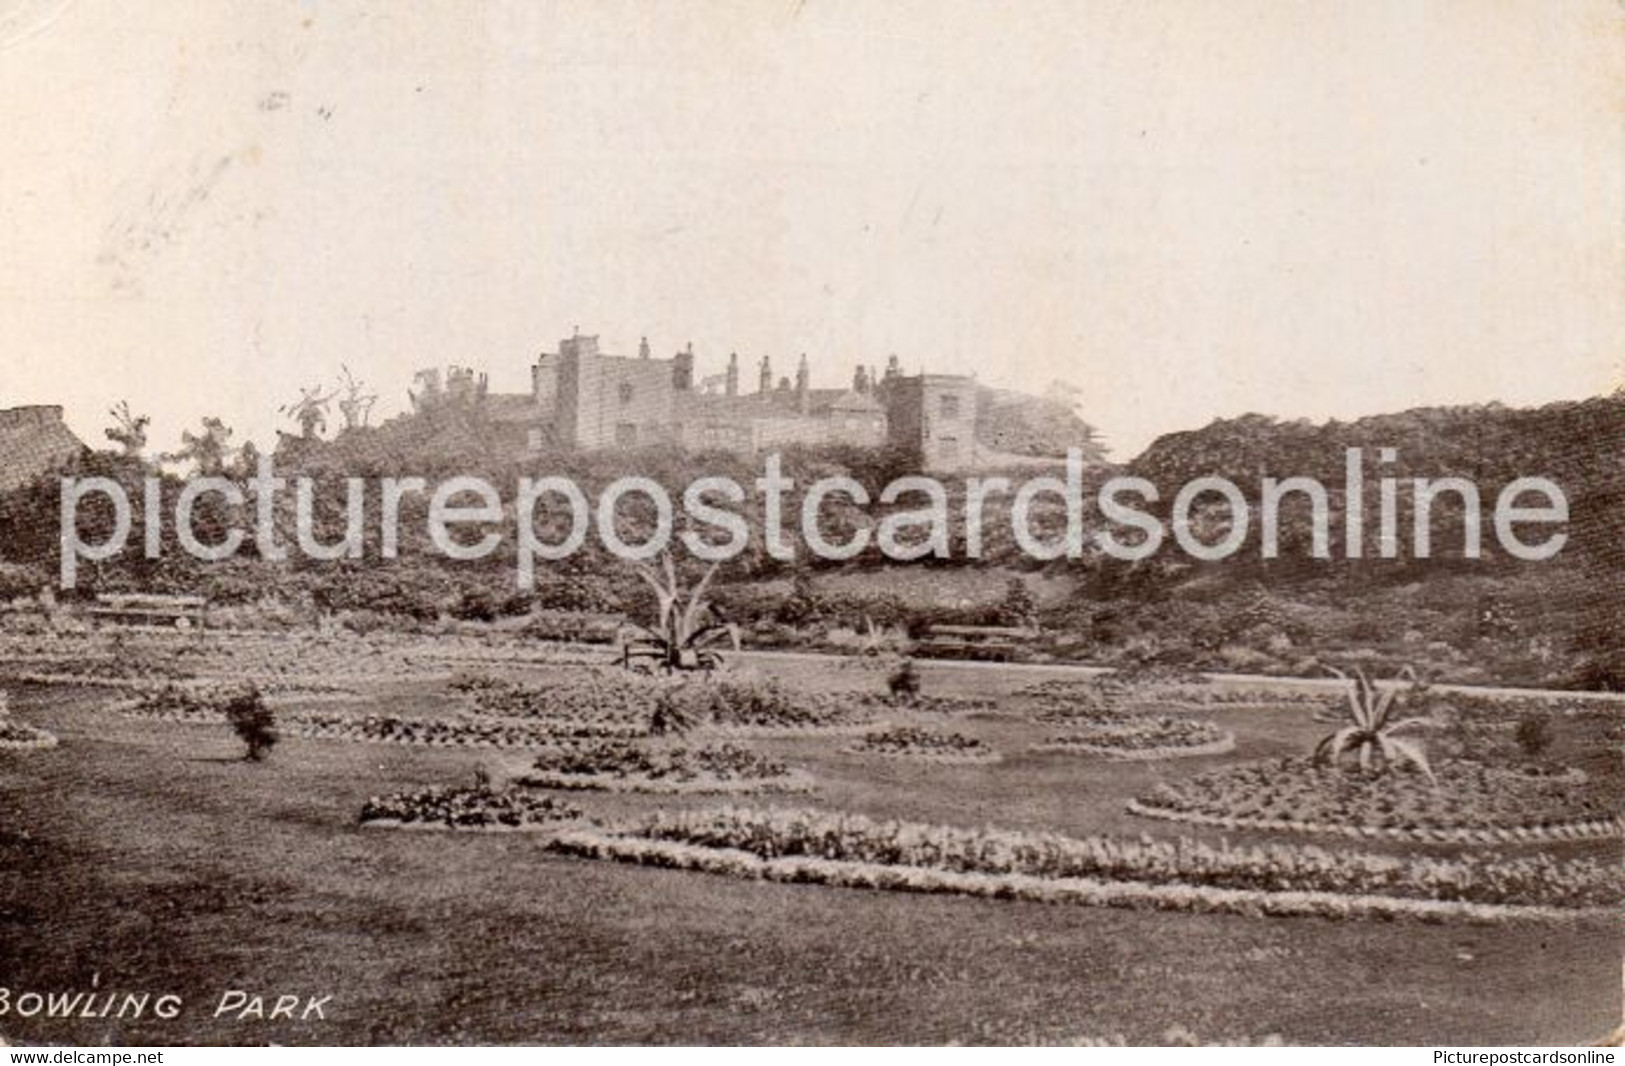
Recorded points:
(1189,209)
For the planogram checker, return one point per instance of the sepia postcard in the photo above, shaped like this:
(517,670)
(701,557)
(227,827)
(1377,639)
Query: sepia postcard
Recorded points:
(812,522)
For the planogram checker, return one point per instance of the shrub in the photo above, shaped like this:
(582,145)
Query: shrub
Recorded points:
(802,605)
(1018,607)
(1534,734)
(573,595)
(17,582)
(1603,672)
(673,715)
(480,807)
(599,761)
(253,722)
(904,682)
(476,605)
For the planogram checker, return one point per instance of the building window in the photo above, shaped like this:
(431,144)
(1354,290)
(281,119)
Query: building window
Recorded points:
(626,392)
(533,440)
(626,434)
(948,448)
(948,406)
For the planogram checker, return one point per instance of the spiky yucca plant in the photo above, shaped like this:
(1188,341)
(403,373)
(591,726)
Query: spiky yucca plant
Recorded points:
(1370,732)
(684,633)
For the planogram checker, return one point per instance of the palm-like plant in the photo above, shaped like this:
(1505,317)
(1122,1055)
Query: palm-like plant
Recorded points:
(1371,729)
(685,632)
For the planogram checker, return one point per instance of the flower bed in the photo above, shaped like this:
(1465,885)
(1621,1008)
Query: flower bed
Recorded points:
(480,807)
(1467,802)
(1231,697)
(624,767)
(182,703)
(1084,710)
(1144,738)
(939,704)
(15,736)
(609,702)
(99,668)
(1507,710)
(757,707)
(430,732)
(907,742)
(294,665)
(295,658)
(529,654)
(580,702)
(788,845)
(205,704)
(1060,699)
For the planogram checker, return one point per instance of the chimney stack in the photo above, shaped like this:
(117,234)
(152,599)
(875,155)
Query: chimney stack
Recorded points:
(682,369)
(733,374)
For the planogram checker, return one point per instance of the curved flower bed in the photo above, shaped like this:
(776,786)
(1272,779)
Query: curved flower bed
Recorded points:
(622,767)
(309,692)
(130,670)
(1186,693)
(302,657)
(907,742)
(206,705)
(295,662)
(1211,696)
(940,704)
(127,684)
(1277,879)
(174,702)
(1466,803)
(1071,712)
(203,702)
(430,732)
(1069,702)
(1177,1036)
(467,808)
(1144,738)
(1543,833)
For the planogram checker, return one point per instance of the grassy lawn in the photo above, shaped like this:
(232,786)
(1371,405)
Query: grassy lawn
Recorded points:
(149,854)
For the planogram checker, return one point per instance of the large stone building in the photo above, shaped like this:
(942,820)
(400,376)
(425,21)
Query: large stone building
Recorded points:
(936,415)
(33,441)
(582,397)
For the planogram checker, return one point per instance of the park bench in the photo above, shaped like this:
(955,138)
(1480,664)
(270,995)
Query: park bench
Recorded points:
(175,612)
(991,643)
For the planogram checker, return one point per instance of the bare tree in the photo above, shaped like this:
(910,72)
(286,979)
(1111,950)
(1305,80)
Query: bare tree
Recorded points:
(309,411)
(129,430)
(208,452)
(356,406)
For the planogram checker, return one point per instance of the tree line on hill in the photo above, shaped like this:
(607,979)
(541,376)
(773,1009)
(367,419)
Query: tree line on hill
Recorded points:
(1553,621)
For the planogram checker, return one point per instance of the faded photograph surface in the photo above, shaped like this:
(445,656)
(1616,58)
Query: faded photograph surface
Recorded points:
(806,521)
